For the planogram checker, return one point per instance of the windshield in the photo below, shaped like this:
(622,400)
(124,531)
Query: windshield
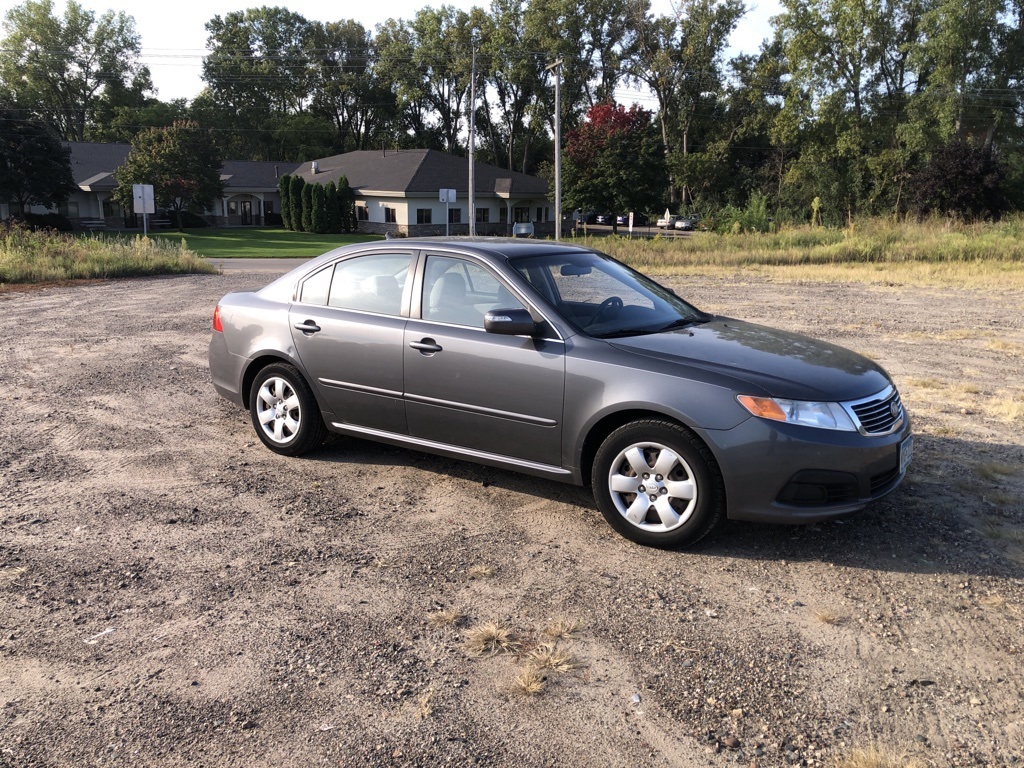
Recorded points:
(604,298)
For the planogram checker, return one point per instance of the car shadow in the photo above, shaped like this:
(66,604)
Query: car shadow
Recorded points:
(956,513)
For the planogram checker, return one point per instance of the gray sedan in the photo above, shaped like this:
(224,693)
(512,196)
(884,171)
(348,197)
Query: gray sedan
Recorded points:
(559,361)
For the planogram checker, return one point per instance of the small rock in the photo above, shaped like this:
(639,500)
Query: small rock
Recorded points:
(737,713)
(636,699)
(731,742)
(248,725)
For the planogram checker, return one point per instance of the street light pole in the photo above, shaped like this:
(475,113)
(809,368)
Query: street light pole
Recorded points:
(472,148)
(557,67)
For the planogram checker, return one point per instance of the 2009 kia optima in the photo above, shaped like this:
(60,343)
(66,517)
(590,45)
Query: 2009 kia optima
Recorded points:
(559,361)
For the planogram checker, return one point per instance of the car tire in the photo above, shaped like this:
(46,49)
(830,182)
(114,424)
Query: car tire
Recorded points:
(657,484)
(284,411)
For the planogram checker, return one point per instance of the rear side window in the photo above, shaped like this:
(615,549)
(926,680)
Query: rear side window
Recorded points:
(315,288)
(370,283)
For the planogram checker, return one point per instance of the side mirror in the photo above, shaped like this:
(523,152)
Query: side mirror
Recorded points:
(510,322)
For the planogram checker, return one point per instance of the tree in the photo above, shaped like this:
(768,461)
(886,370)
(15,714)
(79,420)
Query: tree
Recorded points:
(295,202)
(181,162)
(332,206)
(614,161)
(307,207)
(284,188)
(318,209)
(62,69)
(347,205)
(961,180)
(35,169)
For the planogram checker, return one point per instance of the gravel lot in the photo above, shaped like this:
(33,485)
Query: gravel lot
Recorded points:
(171,593)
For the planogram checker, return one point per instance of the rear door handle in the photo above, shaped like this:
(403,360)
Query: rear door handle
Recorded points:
(307,326)
(427,346)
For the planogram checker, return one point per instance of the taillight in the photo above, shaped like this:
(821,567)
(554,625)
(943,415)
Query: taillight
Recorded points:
(216,320)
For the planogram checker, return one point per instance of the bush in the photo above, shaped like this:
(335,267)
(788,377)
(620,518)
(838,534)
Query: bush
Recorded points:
(284,188)
(189,220)
(48,221)
(318,209)
(295,202)
(307,208)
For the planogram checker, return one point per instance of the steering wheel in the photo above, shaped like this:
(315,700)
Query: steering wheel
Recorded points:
(611,301)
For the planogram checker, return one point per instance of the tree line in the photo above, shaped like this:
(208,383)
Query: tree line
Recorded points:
(849,107)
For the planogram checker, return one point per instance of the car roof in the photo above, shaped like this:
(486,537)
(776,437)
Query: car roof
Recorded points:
(494,248)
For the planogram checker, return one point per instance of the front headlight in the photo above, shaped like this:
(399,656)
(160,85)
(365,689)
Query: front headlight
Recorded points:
(809,414)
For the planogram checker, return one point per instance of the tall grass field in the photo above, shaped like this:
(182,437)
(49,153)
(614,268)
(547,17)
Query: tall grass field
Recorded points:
(43,257)
(935,252)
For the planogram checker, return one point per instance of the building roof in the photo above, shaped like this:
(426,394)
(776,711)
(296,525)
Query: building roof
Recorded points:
(408,172)
(93,164)
(262,175)
(420,173)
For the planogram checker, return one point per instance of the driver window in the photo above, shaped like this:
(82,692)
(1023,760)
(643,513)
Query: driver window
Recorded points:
(461,292)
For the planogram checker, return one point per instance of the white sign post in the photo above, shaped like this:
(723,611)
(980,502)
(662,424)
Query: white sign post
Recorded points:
(447,196)
(142,202)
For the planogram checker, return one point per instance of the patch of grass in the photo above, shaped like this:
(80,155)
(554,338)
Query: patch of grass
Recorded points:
(445,617)
(1006,347)
(831,618)
(48,257)
(994,470)
(875,757)
(1007,407)
(490,638)
(551,656)
(529,682)
(882,251)
(12,573)
(563,629)
(482,571)
(425,704)
(258,243)
(926,383)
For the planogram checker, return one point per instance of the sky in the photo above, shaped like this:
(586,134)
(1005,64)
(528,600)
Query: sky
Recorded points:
(174,37)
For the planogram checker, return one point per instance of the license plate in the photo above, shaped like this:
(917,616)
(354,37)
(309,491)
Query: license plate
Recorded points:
(906,453)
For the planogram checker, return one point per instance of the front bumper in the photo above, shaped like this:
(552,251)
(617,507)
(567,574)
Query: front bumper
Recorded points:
(783,473)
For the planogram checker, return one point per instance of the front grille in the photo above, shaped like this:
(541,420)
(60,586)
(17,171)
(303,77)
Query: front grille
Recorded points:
(879,415)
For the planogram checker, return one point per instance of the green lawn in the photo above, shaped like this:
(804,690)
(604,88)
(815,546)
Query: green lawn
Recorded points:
(270,243)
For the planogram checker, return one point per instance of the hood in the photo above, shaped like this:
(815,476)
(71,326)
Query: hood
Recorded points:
(783,364)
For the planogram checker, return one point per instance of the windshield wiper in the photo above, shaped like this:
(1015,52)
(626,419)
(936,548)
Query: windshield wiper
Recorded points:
(621,332)
(681,322)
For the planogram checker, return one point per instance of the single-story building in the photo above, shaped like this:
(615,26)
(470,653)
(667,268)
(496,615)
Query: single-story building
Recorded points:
(396,191)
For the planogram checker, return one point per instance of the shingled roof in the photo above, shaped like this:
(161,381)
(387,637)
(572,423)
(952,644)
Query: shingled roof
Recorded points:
(93,164)
(419,173)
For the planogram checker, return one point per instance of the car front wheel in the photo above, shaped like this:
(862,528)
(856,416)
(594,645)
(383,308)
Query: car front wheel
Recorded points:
(284,411)
(657,484)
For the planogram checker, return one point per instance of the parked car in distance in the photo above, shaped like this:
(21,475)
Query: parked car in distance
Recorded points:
(522,229)
(666,222)
(686,223)
(639,220)
(605,218)
(558,361)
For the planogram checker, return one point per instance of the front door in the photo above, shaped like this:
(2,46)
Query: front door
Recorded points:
(469,388)
(247,212)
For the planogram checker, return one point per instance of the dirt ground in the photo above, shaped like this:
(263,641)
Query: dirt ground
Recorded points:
(172,593)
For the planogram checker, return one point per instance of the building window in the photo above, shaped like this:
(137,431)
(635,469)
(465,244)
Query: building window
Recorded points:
(232,207)
(454,215)
(389,216)
(483,215)
(503,214)
(521,214)
(423,215)
(540,214)
(68,210)
(268,206)
(362,213)
(112,209)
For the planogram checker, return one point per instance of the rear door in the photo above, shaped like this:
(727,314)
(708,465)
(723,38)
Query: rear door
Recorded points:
(348,327)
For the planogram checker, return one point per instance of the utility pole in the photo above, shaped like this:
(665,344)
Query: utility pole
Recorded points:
(472,147)
(557,67)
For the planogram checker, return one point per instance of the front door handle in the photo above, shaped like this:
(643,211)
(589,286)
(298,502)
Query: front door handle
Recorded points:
(426,346)
(307,326)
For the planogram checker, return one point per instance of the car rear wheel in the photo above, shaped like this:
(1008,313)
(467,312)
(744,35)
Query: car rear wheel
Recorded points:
(657,484)
(284,411)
